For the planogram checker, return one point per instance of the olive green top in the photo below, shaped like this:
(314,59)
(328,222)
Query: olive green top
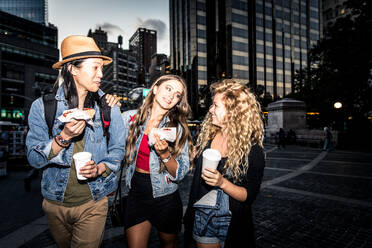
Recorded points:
(77,191)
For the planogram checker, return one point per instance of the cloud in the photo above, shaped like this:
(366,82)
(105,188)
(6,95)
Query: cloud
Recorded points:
(156,24)
(111,29)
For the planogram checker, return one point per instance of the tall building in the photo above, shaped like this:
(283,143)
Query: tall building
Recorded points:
(120,76)
(32,10)
(332,10)
(159,66)
(143,44)
(259,42)
(27,52)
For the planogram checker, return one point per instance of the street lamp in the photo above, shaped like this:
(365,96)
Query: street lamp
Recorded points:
(339,119)
(337,105)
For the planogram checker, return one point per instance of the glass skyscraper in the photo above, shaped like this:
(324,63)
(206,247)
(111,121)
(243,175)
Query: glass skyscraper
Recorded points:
(32,10)
(261,42)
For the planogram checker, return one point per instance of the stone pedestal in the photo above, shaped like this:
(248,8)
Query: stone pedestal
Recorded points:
(287,114)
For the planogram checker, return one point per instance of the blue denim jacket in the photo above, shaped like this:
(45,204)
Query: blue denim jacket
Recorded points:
(56,170)
(162,183)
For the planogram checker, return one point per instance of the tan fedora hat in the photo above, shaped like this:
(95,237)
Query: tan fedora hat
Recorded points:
(78,47)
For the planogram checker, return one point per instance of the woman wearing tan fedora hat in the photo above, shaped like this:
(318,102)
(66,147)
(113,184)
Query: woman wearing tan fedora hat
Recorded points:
(76,209)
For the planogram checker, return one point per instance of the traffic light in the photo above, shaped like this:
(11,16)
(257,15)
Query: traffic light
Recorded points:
(11,100)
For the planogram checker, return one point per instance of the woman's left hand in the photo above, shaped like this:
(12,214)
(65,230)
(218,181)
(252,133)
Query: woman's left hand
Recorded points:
(92,170)
(112,100)
(212,177)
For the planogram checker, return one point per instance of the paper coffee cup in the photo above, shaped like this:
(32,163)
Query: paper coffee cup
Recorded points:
(81,159)
(211,158)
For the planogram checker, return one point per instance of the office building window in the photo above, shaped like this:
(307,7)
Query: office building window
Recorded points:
(239,5)
(259,35)
(240,74)
(260,75)
(200,6)
(202,33)
(239,32)
(260,48)
(260,61)
(202,47)
(259,21)
(201,20)
(239,18)
(269,36)
(240,60)
(240,46)
(259,8)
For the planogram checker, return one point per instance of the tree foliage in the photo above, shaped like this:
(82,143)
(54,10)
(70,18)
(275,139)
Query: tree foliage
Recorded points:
(341,66)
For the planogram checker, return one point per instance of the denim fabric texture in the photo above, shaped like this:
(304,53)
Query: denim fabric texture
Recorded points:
(56,170)
(163,183)
(212,217)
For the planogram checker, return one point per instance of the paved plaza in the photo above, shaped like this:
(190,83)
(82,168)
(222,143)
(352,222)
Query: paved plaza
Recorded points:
(309,198)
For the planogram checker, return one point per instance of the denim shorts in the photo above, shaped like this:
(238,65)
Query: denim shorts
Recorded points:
(212,218)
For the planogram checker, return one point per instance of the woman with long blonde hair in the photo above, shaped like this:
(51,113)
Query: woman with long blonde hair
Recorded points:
(219,209)
(154,171)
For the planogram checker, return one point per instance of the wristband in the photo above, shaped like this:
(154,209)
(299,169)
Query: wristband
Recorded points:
(62,142)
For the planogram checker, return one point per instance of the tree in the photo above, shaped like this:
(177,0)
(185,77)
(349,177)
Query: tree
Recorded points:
(341,67)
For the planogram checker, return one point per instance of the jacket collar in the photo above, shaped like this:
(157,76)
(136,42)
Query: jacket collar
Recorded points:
(60,95)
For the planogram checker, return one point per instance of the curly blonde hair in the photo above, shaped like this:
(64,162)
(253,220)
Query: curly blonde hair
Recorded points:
(177,115)
(243,124)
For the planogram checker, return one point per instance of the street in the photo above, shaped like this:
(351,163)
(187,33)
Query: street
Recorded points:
(308,198)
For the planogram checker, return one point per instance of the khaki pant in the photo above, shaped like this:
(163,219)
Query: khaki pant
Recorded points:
(80,226)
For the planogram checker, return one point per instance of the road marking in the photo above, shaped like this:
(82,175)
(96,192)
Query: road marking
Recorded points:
(295,173)
(25,233)
(321,173)
(289,159)
(323,196)
(271,150)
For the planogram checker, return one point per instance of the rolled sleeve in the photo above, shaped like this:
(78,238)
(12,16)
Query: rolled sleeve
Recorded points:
(183,164)
(116,146)
(38,143)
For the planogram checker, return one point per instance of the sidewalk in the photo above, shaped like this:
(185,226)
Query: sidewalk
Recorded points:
(308,198)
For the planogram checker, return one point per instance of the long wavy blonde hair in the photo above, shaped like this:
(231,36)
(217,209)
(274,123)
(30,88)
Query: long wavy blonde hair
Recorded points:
(243,124)
(177,115)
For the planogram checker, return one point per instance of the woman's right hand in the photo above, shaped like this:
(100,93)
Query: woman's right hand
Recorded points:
(73,129)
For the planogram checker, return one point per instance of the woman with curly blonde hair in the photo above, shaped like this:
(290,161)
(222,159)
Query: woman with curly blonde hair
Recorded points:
(234,127)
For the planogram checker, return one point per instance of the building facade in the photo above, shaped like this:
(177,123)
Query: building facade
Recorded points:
(144,44)
(159,66)
(32,10)
(261,42)
(27,52)
(120,76)
(332,10)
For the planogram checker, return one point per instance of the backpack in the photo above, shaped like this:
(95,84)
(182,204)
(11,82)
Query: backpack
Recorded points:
(50,109)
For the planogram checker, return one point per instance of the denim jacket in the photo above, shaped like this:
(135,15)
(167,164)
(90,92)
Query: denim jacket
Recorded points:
(56,170)
(212,210)
(163,183)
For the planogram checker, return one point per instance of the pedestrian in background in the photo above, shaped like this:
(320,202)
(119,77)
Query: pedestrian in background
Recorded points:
(76,210)
(327,139)
(233,126)
(153,172)
(281,138)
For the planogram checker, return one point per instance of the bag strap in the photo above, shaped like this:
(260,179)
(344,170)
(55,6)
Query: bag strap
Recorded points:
(105,110)
(118,190)
(50,109)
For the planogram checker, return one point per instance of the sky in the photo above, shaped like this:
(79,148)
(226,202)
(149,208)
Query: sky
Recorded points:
(116,17)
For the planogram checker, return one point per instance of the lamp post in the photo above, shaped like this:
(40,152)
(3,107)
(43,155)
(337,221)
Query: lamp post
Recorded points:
(338,106)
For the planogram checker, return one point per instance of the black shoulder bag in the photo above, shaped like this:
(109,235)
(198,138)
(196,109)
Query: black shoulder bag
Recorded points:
(117,209)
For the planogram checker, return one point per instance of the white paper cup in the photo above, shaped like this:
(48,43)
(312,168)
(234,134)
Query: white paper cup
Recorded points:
(81,159)
(211,158)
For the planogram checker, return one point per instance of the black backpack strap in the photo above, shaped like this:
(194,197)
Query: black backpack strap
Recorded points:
(50,109)
(105,110)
